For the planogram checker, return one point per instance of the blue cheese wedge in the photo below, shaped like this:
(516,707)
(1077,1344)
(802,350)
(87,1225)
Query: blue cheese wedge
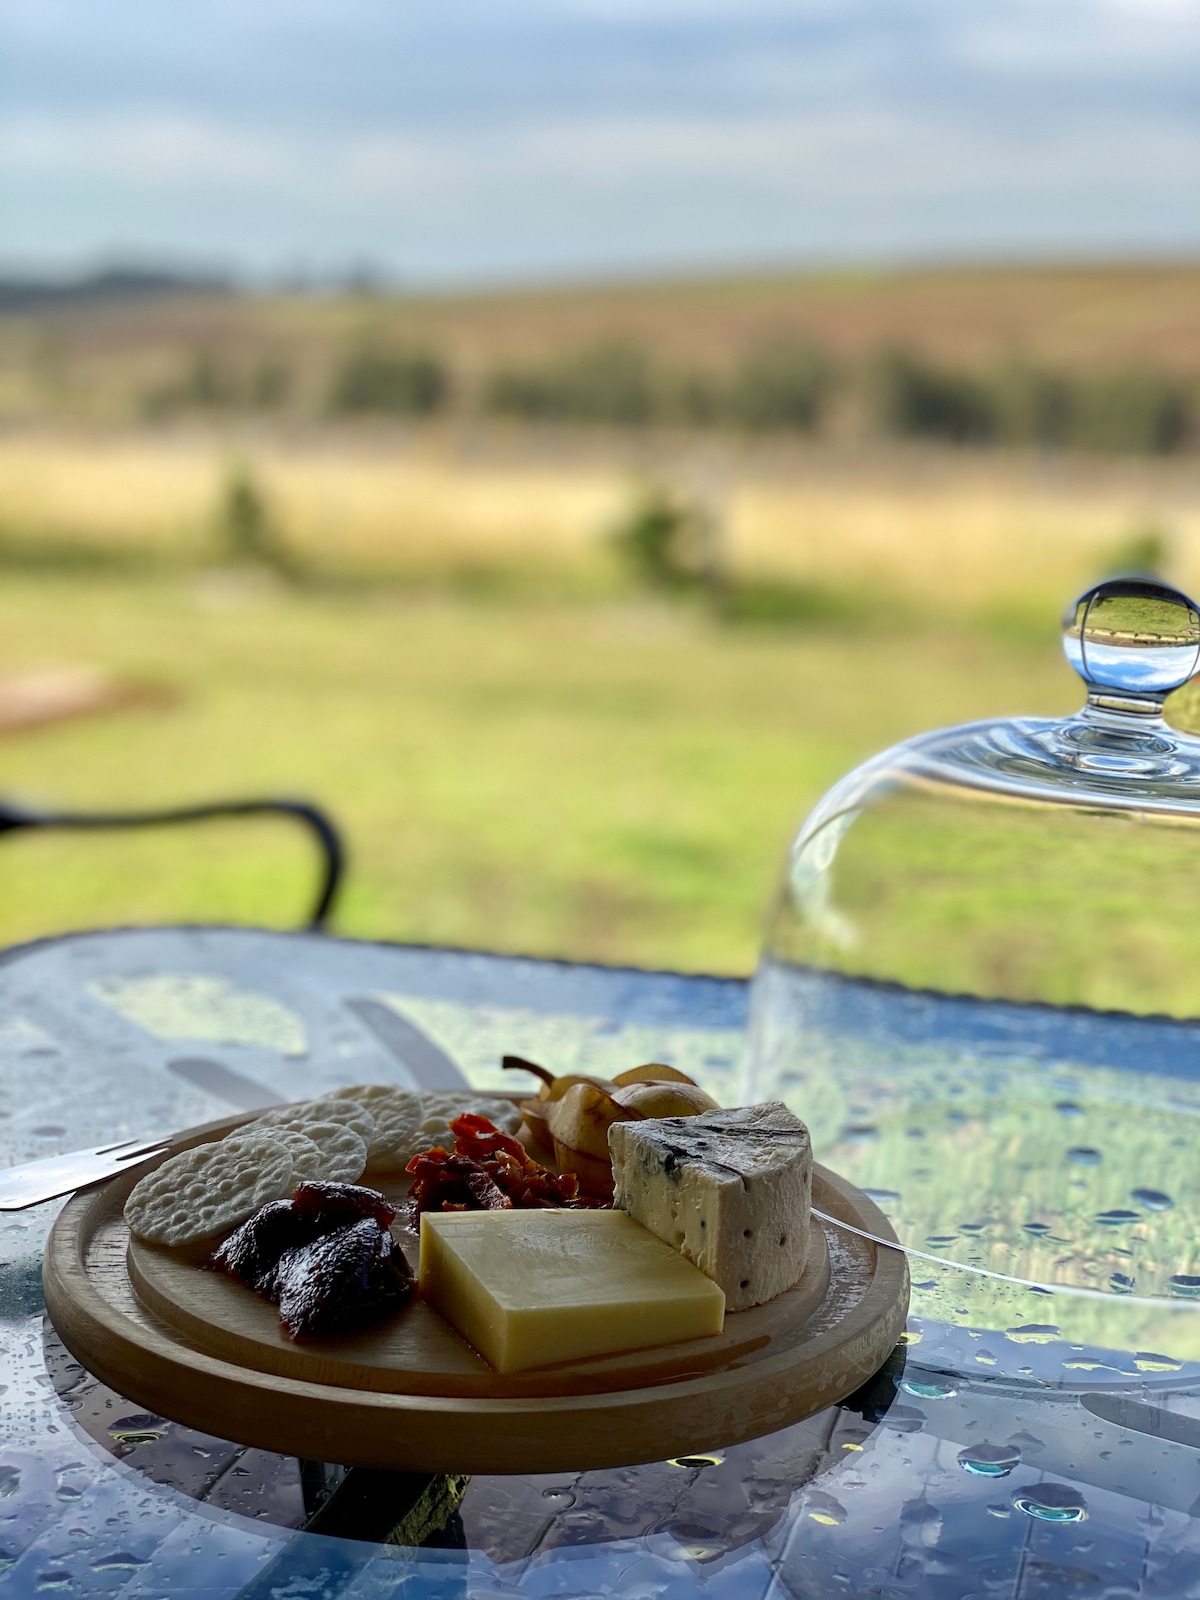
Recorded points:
(731,1190)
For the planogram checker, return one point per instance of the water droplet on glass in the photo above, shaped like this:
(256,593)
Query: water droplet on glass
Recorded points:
(121,1560)
(904,1419)
(1121,1283)
(1115,1218)
(1185,1283)
(882,1197)
(1027,1443)
(1152,1199)
(823,1508)
(1151,1361)
(929,1388)
(561,1499)
(920,1523)
(1082,1155)
(54,1580)
(10,1481)
(1036,1228)
(985,1358)
(1052,1502)
(1032,1333)
(939,1241)
(695,1461)
(989,1460)
(1068,1108)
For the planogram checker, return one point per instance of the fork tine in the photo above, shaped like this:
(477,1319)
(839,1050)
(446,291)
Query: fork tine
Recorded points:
(38,1181)
(108,1149)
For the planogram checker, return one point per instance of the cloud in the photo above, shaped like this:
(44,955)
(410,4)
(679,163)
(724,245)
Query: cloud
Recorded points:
(542,135)
(617,192)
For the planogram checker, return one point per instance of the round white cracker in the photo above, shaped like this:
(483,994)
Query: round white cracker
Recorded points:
(342,1152)
(308,1159)
(370,1094)
(209,1189)
(397,1113)
(328,1108)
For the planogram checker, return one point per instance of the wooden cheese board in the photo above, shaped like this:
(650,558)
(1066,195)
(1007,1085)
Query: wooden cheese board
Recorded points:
(409,1394)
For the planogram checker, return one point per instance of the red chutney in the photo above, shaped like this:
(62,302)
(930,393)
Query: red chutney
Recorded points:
(488,1170)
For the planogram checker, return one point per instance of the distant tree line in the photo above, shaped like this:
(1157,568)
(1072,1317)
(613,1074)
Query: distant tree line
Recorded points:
(781,386)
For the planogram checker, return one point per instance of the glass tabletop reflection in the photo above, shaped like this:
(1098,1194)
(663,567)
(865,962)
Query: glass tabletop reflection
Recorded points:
(1037,1432)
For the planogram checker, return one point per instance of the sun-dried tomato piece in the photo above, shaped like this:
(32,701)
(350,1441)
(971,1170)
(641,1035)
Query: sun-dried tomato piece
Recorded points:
(475,1136)
(487,1169)
(483,1187)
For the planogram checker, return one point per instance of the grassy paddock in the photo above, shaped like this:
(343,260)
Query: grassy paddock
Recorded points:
(543,761)
(609,780)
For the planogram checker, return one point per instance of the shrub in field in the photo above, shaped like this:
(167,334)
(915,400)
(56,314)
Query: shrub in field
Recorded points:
(667,541)
(270,384)
(908,397)
(529,394)
(206,384)
(246,525)
(1136,410)
(396,382)
(779,385)
(693,399)
(613,385)
(1146,548)
(1029,404)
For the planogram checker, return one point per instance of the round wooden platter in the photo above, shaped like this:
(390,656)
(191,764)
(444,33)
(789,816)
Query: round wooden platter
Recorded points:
(409,1394)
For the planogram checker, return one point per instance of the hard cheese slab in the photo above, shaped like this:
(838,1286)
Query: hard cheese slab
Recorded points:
(411,1395)
(531,1289)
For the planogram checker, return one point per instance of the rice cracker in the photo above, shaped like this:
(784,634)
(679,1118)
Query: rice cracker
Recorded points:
(397,1114)
(329,1152)
(209,1189)
(327,1108)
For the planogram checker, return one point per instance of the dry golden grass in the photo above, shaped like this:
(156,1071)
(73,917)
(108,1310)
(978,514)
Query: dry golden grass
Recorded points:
(976,536)
(937,531)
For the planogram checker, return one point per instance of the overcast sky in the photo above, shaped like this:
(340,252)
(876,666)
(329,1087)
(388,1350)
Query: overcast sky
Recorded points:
(475,140)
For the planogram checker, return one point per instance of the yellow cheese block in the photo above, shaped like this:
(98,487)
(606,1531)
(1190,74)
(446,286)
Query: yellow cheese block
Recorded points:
(533,1288)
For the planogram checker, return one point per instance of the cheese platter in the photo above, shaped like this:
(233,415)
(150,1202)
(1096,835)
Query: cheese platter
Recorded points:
(147,1303)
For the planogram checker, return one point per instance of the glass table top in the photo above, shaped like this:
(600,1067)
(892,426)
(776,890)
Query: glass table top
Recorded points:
(1037,1433)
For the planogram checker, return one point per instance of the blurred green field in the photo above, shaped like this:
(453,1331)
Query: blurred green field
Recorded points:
(423,624)
(612,779)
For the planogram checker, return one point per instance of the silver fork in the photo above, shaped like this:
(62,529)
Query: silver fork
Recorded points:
(37,1181)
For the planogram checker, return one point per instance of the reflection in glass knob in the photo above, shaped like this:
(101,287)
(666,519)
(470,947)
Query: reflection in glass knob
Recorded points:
(1133,637)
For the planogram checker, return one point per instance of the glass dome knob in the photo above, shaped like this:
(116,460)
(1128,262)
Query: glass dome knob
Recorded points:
(1132,640)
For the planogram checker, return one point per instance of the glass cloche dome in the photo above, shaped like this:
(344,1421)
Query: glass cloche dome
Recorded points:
(1032,860)
(981,989)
